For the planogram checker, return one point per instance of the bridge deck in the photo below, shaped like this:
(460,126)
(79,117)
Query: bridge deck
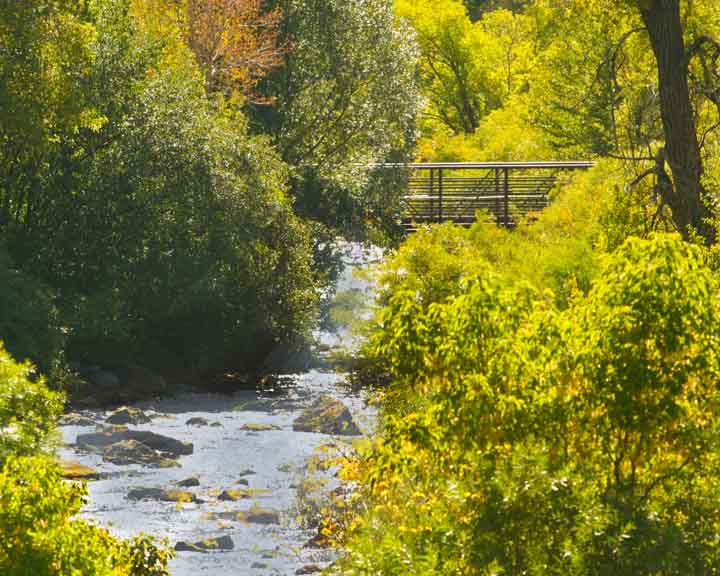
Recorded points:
(454,191)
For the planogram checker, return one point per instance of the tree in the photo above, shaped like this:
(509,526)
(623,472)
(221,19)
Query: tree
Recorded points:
(236,43)
(687,197)
(347,98)
(147,208)
(633,80)
(456,81)
(469,70)
(42,69)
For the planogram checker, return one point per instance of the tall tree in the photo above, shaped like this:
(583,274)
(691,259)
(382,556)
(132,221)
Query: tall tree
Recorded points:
(638,80)
(663,22)
(347,98)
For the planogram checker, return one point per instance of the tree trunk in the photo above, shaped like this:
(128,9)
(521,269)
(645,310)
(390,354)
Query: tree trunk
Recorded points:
(664,26)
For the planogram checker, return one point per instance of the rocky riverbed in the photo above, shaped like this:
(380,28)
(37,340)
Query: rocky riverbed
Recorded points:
(218,476)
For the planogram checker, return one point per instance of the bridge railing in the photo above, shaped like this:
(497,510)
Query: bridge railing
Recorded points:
(454,191)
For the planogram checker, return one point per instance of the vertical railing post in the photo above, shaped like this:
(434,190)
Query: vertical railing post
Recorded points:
(507,199)
(440,195)
(498,209)
(432,194)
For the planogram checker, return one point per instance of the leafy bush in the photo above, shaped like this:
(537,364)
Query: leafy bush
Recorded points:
(526,439)
(27,408)
(203,262)
(39,536)
(173,241)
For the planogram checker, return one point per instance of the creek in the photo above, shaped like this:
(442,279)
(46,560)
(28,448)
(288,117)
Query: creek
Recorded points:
(249,444)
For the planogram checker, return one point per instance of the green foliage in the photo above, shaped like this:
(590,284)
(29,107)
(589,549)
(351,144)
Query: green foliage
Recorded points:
(202,212)
(28,318)
(476,77)
(27,408)
(346,99)
(38,534)
(593,87)
(163,226)
(525,439)
(556,249)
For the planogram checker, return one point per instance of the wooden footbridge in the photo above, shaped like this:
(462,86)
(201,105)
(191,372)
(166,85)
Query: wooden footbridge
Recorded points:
(455,191)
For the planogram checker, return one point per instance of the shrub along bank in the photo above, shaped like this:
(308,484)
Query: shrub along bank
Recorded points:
(39,531)
(553,405)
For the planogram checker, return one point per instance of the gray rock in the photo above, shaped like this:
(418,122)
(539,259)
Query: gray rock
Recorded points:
(255,427)
(102,439)
(231,516)
(197,421)
(128,415)
(73,470)
(75,419)
(318,541)
(121,385)
(162,495)
(309,569)
(131,451)
(221,543)
(262,516)
(191,482)
(233,495)
(327,415)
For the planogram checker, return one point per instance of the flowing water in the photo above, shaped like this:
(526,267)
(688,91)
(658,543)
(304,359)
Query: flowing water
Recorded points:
(224,453)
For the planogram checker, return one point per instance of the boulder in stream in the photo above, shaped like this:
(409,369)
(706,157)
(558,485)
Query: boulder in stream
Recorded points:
(128,415)
(117,385)
(222,543)
(258,515)
(197,421)
(191,482)
(75,419)
(162,495)
(327,415)
(235,494)
(309,569)
(318,541)
(73,470)
(256,427)
(100,440)
(131,451)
